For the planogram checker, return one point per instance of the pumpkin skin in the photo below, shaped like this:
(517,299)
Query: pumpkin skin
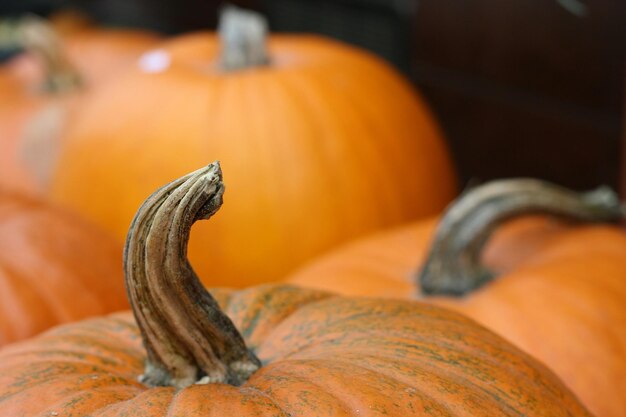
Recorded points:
(293,351)
(384,263)
(557,283)
(290,135)
(31,120)
(16,108)
(323,356)
(54,268)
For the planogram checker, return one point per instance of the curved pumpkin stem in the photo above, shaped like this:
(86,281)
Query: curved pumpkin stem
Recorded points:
(38,38)
(243,37)
(187,337)
(453,265)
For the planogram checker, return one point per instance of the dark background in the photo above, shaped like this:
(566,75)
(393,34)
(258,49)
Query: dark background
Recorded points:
(520,87)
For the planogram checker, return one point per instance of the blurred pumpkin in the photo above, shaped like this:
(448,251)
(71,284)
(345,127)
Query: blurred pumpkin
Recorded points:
(271,350)
(54,268)
(559,292)
(323,142)
(39,88)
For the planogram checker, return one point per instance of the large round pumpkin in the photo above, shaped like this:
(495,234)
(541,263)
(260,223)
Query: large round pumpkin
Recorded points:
(274,350)
(40,88)
(560,288)
(322,143)
(54,268)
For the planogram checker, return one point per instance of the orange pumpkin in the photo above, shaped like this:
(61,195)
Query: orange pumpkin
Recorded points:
(40,88)
(274,350)
(560,291)
(54,268)
(323,143)
(68,21)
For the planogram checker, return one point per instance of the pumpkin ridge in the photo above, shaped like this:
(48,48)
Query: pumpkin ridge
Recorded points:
(425,362)
(425,343)
(264,394)
(341,401)
(91,330)
(9,284)
(130,404)
(47,256)
(265,297)
(298,85)
(58,308)
(115,393)
(426,368)
(71,356)
(505,355)
(70,373)
(426,393)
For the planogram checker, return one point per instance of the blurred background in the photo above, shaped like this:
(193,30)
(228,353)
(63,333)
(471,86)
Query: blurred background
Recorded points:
(520,87)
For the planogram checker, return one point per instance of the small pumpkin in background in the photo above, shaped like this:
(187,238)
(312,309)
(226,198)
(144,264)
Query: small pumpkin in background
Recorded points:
(323,142)
(69,21)
(559,291)
(40,88)
(271,350)
(54,268)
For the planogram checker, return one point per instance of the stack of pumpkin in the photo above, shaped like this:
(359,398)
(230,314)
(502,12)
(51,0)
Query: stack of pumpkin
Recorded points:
(320,143)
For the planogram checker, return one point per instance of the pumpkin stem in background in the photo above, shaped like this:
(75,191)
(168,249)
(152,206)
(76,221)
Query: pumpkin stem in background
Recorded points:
(187,337)
(243,36)
(38,38)
(453,266)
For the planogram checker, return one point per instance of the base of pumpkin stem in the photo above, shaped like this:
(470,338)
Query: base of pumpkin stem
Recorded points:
(238,373)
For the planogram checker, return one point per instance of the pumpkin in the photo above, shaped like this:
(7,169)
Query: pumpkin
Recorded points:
(40,88)
(323,142)
(68,21)
(270,350)
(556,282)
(54,268)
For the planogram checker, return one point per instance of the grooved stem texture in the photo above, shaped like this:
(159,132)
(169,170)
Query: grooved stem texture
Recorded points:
(243,37)
(453,266)
(187,337)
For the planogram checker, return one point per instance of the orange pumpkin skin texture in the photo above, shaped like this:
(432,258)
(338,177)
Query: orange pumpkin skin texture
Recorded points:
(54,268)
(100,54)
(311,353)
(32,120)
(322,145)
(556,283)
(322,356)
(383,263)
(97,54)
(16,108)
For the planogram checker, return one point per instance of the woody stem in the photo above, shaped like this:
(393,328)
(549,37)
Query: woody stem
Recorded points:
(186,335)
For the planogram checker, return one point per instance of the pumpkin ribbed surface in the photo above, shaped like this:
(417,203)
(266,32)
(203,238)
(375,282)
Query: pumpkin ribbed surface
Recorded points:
(560,294)
(384,263)
(322,356)
(54,268)
(324,144)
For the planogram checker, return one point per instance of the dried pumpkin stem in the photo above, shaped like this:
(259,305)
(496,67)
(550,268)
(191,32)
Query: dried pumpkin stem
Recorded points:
(187,337)
(453,266)
(38,38)
(243,37)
